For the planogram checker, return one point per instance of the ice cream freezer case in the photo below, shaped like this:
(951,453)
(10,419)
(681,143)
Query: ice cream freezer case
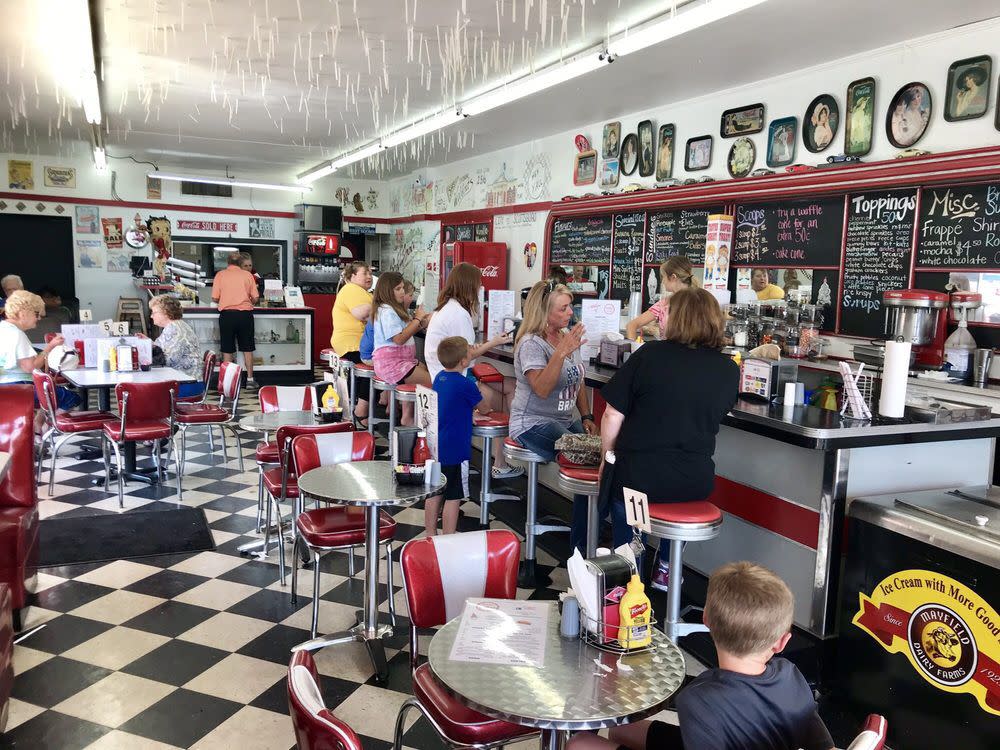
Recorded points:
(283,341)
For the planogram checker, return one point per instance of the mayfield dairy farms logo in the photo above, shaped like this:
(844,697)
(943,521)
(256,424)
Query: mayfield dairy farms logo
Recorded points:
(949,633)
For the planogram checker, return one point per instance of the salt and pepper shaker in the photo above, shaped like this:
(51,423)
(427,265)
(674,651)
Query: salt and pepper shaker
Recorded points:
(569,625)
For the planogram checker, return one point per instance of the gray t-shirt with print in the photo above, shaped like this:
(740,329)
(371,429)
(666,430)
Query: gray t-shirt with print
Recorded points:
(528,409)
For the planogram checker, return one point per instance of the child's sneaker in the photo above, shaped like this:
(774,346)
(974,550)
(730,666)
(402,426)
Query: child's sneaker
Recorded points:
(661,579)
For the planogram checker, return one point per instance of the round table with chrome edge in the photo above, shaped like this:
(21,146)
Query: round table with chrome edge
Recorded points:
(579,687)
(371,484)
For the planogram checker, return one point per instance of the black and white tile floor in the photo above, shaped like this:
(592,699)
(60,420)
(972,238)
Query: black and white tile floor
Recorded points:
(191,650)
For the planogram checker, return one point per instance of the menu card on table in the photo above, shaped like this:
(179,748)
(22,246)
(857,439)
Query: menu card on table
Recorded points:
(502,631)
(599,316)
(501,306)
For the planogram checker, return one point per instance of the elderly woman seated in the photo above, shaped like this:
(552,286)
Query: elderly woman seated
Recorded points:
(179,342)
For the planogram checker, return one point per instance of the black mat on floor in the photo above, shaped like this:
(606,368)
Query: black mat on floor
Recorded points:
(64,541)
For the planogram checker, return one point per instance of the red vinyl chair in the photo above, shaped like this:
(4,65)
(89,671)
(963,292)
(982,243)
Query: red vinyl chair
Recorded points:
(63,425)
(207,369)
(280,481)
(147,413)
(334,527)
(480,564)
(212,416)
(316,728)
(18,496)
(873,734)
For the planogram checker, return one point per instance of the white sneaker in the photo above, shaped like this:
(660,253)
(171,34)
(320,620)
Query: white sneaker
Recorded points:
(508,472)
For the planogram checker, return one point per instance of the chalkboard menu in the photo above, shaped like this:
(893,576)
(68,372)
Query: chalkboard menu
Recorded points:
(679,232)
(583,240)
(803,234)
(959,227)
(877,255)
(463,232)
(626,260)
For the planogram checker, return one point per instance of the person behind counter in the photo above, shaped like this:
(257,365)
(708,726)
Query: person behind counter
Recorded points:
(234,291)
(178,341)
(754,699)
(395,354)
(676,273)
(664,408)
(550,383)
(351,310)
(760,282)
(458,306)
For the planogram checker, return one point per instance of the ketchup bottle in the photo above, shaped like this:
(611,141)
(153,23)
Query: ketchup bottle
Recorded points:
(421,453)
(135,359)
(80,349)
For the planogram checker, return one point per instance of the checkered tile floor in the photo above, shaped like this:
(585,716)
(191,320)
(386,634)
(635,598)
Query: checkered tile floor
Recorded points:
(191,650)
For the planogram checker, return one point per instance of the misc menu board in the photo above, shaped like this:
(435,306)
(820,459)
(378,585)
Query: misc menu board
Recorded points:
(877,254)
(680,232)
(803,234)
(626,258)
(959,227)
(581,240)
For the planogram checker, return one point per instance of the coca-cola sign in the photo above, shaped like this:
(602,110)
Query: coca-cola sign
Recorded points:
(491,272)
(321,244)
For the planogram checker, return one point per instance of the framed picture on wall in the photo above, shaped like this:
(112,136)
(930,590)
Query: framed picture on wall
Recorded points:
(742,121)
(629,158)
(585,168)
(698,154)
(609,173)
(742,155)
(968,93)
(646,149)
(665,153)
(859,117)
(781,135)
(908,115)
(612,140)
(819,125)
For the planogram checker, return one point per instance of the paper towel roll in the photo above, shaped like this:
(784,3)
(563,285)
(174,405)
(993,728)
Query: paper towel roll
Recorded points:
(892,401)
(789,399)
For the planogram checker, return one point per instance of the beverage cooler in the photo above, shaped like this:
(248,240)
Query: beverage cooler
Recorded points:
(316,268)
(490,257)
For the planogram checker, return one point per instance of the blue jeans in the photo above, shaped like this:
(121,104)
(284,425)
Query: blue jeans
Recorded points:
(541,439)
(184,390)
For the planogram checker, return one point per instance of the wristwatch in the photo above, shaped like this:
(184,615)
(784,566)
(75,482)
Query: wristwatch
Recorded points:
(585,417)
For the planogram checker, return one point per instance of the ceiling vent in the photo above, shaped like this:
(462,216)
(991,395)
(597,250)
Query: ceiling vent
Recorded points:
(204,188)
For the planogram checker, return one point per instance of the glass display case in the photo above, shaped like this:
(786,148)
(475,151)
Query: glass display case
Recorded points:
(282,338)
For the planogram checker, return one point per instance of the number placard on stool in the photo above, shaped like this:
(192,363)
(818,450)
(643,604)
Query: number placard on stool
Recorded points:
(427,417)
(636,509)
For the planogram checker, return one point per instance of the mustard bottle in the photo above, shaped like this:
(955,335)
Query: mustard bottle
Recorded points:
(635,630)
(330,400)
(113,358)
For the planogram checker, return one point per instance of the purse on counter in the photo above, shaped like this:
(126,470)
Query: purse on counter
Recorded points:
(580,449)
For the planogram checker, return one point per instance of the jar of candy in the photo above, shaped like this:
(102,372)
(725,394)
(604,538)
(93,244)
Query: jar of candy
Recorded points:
(793,343)
(808,335)
(753,332)
(739,330)
(767,331)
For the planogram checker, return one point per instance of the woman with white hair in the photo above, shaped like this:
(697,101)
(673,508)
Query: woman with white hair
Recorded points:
(10,284)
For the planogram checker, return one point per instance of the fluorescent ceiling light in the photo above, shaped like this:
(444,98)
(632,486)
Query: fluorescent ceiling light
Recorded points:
(675,24)
(227,181)
(362,153)
(533,83)
(69,34)
(431,124)
(320,170)
(100,159)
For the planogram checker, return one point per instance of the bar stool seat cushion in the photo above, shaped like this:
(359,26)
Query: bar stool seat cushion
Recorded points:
(578,471)
(151,429)
(486,373)
(700,511)
(340,525)
(406,388)
(460,723)
(493,419)
(272,483)
(512,442)
(82,421)
(200,413)
(267,453)
(360,367)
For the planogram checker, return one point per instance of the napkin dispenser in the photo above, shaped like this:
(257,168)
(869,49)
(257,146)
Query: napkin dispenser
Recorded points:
(614,353)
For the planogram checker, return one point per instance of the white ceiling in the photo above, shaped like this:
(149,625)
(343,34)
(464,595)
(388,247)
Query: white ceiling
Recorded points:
(261,86)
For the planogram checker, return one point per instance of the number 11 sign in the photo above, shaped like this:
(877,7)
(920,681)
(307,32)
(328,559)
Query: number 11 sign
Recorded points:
(636,509)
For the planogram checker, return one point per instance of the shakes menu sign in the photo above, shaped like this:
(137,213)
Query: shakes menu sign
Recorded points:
(949,634)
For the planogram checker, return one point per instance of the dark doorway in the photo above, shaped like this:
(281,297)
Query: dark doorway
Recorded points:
(39,249)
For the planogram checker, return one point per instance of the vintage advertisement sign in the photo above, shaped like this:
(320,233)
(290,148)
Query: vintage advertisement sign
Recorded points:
(949,634)
(207,226)
(112,232)
(64,177)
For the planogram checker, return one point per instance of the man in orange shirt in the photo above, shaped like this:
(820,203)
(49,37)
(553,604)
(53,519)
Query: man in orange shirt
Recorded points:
(235,291)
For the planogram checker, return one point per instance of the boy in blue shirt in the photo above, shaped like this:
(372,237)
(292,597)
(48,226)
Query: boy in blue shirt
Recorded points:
(457,398)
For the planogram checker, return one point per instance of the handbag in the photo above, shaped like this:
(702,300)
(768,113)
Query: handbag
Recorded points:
(580,449)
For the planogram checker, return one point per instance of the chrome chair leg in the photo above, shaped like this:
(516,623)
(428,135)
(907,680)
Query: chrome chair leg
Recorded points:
(389,582)
(315,597)
(175,453)
(397,735)
(295,565)
(281,542)
(222,437)
(121,473)
(350,562)
(106,455)
(239,443)
(54,446)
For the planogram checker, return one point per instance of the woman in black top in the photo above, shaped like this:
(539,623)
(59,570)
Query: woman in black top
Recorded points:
(664,409)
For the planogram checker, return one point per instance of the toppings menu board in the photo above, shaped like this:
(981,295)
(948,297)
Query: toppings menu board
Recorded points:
(877,254)
(626,260)
(959,227)
(581,240)
(802,234)
(680,232)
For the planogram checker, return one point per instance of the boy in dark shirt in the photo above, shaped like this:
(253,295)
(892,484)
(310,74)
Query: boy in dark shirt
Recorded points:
(754,700)
(457,398)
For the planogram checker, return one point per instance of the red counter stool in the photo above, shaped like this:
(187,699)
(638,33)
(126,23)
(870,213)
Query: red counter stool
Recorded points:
(328,355)
(528,576)
(383,387)
(581,479)
(678,523)
(494,425)
(873,734)
(404,393)
(316,728)
(212,416)
(367,372)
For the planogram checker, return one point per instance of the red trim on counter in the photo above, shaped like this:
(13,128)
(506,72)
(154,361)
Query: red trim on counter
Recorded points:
(146,204)
(767,511)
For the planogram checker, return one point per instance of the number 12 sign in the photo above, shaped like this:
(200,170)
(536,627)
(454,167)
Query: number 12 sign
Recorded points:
(427,417)
(636,509)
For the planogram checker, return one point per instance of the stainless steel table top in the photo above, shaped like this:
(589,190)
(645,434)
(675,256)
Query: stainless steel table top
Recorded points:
(270,422)
(579,687)
(364,483)
(91,377)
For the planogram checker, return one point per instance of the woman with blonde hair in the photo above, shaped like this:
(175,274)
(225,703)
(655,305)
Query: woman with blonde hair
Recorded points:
(458,306)
(550,382)
(676,273)
(351,310)
(664,408)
